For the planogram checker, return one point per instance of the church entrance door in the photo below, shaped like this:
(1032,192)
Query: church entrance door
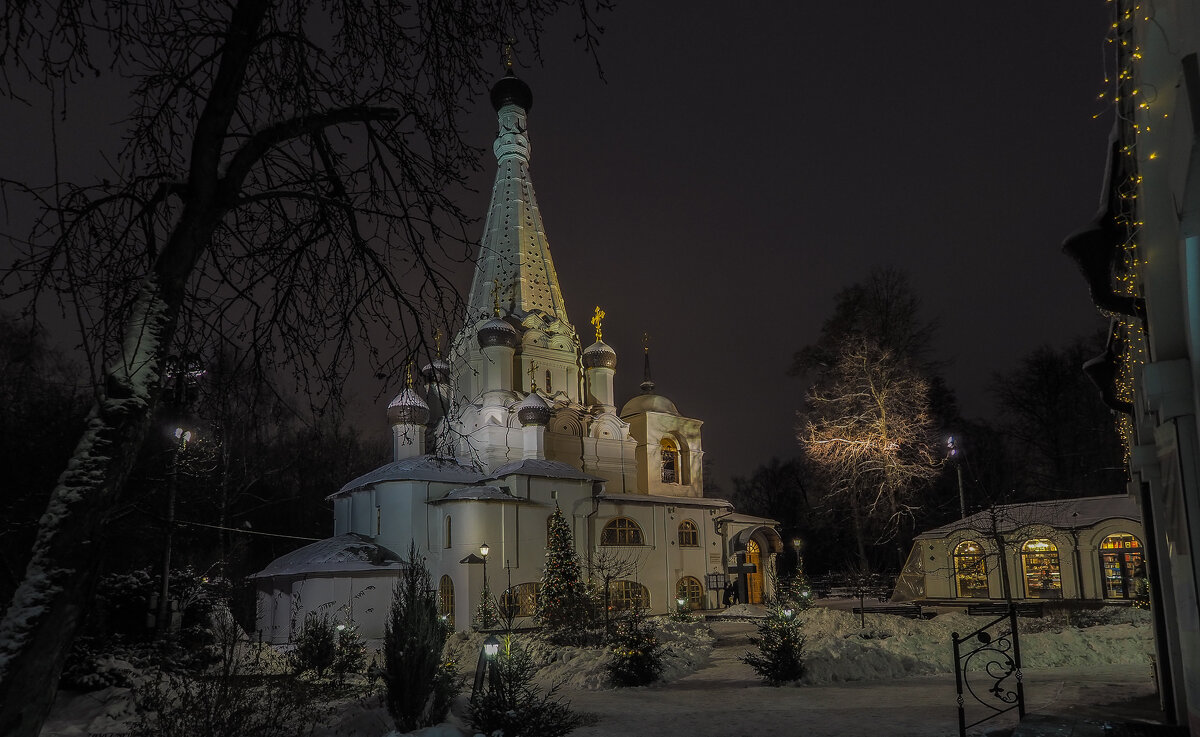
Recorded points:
(754,581)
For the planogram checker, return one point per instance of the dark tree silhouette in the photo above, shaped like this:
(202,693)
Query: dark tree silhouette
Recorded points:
(285,185)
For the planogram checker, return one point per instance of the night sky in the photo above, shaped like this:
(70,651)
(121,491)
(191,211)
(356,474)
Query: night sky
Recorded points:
(736,170)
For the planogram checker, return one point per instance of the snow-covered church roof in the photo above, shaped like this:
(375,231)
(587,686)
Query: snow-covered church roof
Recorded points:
(350,552)
(485,493)
(542,468)
(418,468)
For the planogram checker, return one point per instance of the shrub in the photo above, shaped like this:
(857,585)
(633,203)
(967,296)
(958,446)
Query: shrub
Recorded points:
(231,700)
(511,704)
(638,658)
(351,653)
(780,642)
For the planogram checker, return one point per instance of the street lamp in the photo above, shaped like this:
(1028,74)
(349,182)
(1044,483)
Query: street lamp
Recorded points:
(183,436)
(487,662)
(953,449)
(797,543)
(483,552)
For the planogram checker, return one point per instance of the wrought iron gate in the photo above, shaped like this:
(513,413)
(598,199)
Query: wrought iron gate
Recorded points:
(987,665)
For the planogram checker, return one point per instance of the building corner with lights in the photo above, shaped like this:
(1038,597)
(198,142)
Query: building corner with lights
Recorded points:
(1141,258)
(517,421)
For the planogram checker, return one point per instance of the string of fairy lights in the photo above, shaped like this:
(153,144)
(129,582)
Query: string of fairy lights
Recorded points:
(1131,102)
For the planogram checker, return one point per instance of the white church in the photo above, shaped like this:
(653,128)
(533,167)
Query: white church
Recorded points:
(520,420)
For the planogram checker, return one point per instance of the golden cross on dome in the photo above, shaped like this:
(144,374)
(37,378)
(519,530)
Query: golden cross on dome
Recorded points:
(646,342)
(437,342)
(408,374)
(496,296)
(532,381)
(596,320)
(508,54)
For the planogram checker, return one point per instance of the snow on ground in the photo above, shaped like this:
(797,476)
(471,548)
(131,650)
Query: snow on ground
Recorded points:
(892,677)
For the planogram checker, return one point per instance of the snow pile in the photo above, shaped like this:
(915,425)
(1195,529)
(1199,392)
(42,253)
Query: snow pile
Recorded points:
(839,649)
(685,648)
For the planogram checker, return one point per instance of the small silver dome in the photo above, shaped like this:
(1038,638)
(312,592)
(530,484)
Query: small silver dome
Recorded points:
(533,410)
(408,409)
(436,372)
(599,355)
(497,332)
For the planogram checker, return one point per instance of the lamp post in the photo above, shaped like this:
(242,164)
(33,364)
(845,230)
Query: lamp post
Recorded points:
(487,662)
(952,451)
(162,623)
(797,543)
(483,553)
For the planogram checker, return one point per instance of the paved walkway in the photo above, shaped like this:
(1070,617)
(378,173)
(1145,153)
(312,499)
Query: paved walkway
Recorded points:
(726,699)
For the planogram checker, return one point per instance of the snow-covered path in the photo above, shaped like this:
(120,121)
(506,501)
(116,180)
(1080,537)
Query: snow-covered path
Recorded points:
(726,699)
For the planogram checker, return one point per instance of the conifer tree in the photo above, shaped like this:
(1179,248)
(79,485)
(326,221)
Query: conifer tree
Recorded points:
(562,603)
(420,686)
(780,642)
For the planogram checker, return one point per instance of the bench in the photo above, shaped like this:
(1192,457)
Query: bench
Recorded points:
(912,611)
(1024,609)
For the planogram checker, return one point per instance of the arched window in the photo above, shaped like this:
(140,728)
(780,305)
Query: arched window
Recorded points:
(621,531)
(1039,561)
(520,600)
(970,571)
(625,595)
(446,600)
(689,536)
(691,592)
(670,461)
(1123,566)
(447,539)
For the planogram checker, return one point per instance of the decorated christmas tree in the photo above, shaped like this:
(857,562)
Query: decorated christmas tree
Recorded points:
(780,641)
(795,592)
(562,603)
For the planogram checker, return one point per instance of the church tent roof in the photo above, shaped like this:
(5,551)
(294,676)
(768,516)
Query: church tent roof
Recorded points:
(1063,514)
(350,552)
(419,468)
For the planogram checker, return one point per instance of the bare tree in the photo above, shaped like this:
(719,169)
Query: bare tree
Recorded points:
(605,566)
(868,428)
(285,186)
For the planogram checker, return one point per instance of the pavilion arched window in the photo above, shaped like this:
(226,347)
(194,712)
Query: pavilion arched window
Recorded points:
(1122,563)
(970,571)
(1039,563)
(689,534)
(621,531)
(446,600)
(625,595)
(690,590)
(520,600)
(448,538)
(669,450)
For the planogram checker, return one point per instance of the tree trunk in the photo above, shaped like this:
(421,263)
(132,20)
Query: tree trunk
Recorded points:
(46,609)
(856,516)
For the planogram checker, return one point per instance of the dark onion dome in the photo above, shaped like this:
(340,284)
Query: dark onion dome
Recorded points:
(497,332)
(533,410)
(436,372)
(599,355)
(511,91)
(408,409)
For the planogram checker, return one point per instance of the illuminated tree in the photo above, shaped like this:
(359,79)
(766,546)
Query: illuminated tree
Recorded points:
(869,431)
(283,184)
(562,601)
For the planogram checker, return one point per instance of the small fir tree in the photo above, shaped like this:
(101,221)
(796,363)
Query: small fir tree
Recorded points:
(419,684)
(351,654)
(316,647)
(487,614)
(795,592)
(780,642)
(562,602)
(513,704)
(638,658)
